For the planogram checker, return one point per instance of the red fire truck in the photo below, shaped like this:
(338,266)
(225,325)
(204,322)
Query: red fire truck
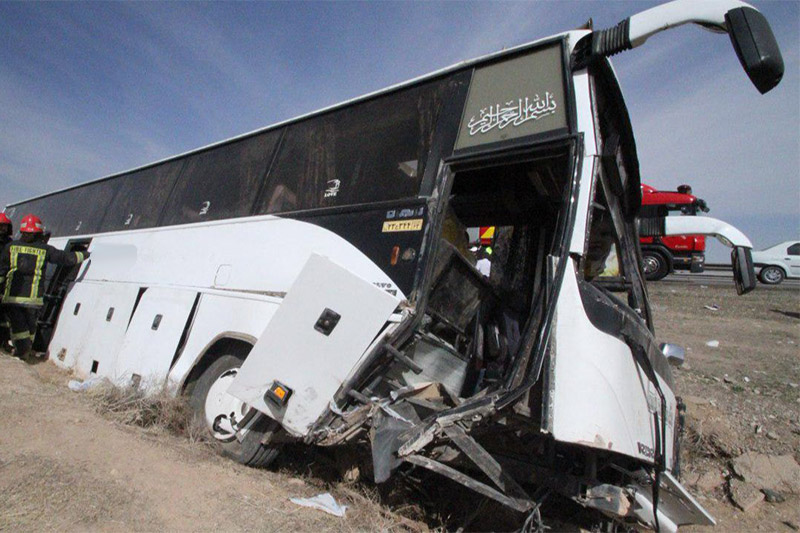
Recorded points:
(662,255)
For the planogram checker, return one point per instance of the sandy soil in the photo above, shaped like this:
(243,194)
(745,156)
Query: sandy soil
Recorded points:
(65,467)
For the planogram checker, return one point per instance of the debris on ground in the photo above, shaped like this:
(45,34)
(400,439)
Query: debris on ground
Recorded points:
(773,496)
(712,307)
(709,430)
(744,495)
(322,502)
(706,481)
(775,472)
(713,344)
(79,386)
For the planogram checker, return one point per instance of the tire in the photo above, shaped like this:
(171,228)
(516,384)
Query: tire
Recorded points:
(771,275)
(211,403)
(654,265)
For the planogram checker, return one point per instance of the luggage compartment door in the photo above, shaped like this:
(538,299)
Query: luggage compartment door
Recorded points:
(316,337)
(74,323)
(91,327)
(152,337)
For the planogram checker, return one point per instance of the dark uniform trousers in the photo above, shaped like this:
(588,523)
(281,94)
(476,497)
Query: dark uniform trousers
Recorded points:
(22,322)
(5,334)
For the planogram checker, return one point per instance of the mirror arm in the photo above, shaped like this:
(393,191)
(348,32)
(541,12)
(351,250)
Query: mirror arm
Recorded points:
(709,14)
(635,30)
(693,225)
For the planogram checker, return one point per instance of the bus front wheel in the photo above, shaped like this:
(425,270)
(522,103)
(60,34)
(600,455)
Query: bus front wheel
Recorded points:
(219,413)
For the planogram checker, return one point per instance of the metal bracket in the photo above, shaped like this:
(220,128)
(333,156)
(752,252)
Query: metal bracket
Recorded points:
(403,359)
(485,462)
(481,488)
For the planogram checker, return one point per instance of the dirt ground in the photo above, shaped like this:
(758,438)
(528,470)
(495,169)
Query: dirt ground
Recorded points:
(65,467)
(742,396)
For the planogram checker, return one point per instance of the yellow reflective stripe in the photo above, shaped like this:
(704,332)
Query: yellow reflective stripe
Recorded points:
(79,255)
(20,336)
(19,248)
(23,300)
(37,274)
(10,275)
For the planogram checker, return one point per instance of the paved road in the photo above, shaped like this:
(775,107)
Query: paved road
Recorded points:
(715,277)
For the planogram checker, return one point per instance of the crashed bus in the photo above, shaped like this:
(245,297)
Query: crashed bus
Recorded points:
(311,281)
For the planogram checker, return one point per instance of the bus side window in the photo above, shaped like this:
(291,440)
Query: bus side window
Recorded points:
(373,151)
(601,259)
(221,182)
(141,197)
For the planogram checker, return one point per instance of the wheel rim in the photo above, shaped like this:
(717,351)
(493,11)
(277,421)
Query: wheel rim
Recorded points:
(222,410)
(650,264)
(772,275)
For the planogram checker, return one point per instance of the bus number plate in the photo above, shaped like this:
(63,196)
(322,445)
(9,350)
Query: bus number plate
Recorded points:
(402,225)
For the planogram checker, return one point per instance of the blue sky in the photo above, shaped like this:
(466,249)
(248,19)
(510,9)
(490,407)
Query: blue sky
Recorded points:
(88,89)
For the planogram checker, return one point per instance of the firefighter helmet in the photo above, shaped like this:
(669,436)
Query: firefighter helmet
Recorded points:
(31,224)
(4,219)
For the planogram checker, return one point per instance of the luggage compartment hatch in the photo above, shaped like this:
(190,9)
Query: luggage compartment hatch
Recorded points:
(320,332)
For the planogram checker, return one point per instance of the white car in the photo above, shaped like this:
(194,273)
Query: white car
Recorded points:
(778,262)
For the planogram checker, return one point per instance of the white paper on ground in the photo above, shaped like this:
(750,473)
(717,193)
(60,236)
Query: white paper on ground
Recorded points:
(323,502)
(78,386)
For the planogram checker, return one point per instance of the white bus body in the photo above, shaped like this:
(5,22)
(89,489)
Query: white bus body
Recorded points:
(297,287)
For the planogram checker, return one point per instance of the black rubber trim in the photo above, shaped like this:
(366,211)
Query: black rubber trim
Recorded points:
(612,41)
(610,316)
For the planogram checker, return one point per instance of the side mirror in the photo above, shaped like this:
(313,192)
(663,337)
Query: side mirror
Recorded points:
(743,273)
(675,354)
(756,47)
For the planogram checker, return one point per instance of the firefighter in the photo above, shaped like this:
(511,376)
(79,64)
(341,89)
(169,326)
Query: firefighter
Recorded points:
(22,269)
(6,229)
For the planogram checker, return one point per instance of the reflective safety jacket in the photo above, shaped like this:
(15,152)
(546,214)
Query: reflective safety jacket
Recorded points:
(22,268)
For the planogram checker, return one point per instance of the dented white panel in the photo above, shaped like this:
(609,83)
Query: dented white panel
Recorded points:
(312,364)
(148,349)
(601,398)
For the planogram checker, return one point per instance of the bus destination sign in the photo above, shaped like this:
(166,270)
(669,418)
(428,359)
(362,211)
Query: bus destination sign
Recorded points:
(516,98)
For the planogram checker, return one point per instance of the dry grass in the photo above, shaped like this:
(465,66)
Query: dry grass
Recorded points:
(159,412)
